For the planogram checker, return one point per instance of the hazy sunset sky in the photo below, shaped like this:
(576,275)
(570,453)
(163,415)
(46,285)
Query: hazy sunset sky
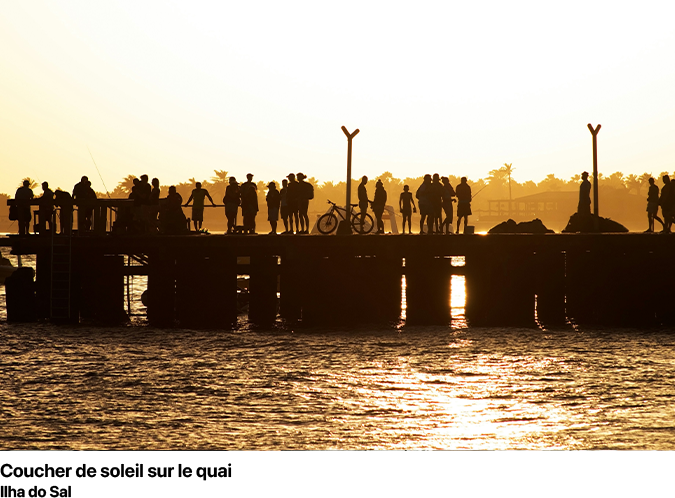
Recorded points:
(178,89)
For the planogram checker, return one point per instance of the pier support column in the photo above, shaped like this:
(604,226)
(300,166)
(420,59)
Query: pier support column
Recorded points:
(291,282)
(262,308)
(162,289)
(427,290)
(43,279)
(500,288)
(102,288)
(20,293)
(206,290)
(549,286)
(327,294)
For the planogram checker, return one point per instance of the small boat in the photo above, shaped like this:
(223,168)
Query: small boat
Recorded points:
(6,269)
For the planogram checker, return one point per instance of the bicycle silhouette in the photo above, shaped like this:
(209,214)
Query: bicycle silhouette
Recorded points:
(328,223)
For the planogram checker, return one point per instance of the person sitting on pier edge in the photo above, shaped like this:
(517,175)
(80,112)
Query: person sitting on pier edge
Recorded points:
(379,201)
(305,194)
(292,198)
(65,202)
(667,202)
(24,194)
(448,199)
(46,209)
(198,195)
(423,195)
(283,208)
(463,191)
(584,206)
(232,200)
(273,203)
(249,203)
(172,220)
(404,204)
(653,206)
(363,201)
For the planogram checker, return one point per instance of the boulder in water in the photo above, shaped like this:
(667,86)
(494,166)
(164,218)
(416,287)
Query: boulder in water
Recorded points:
(510,226)
(585,223)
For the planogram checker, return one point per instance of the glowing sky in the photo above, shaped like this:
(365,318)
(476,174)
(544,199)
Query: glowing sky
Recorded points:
(178,89)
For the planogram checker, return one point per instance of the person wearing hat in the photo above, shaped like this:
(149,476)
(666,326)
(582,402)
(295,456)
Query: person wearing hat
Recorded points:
(584,195)
(292,198)
(273,203)
(306,193)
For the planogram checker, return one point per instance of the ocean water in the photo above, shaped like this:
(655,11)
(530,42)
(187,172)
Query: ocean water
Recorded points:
(397,387)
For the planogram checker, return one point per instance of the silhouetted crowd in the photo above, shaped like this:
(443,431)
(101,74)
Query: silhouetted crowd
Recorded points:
(150,213)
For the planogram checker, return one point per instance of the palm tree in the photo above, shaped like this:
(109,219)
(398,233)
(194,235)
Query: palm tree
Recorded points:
(508,170)
(127,184)
(32,183)
(632,182)
(221,176)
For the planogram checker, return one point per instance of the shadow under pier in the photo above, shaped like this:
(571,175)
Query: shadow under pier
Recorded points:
(511,279)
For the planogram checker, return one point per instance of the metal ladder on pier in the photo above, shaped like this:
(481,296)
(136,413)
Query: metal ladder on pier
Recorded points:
(61,259)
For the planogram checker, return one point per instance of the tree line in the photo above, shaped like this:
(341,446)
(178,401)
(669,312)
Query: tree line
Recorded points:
(498,185)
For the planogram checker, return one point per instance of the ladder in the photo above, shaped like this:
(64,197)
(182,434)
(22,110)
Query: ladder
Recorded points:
(60,290)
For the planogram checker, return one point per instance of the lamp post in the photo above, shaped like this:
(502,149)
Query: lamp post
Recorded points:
(345,227)
(594,132)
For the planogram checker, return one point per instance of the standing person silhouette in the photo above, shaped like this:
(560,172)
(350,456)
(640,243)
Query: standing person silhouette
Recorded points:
(283,208)
(292,200)
(653,206)
(667,202)
(463,191)
(24,194)
(363,202)
(404,203)
(273,199)
(423,195)
(198,195)
(89,197)
(80,200)
(449,193)
(584,206)
(437,196)
(249,203)
(379,201)
(46,208)
(305,194)
(155,193)
(232,200)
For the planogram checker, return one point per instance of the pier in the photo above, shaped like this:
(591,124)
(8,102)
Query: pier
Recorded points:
(511,279)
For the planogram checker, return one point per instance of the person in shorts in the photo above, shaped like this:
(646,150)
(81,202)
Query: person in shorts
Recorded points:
(406,204)
(198,195)
(463,191)
(653,206)
(273,204)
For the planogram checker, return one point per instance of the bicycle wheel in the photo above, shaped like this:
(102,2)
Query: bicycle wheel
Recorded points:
(367,223)
(327,223)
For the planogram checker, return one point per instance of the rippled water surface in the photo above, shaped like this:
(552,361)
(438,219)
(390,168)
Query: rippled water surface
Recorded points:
(138,387)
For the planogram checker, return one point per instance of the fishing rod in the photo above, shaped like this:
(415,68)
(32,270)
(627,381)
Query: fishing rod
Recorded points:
(474,195)
(99,172)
